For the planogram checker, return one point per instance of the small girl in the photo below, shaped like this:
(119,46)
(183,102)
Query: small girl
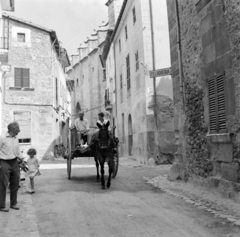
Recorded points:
(33,168)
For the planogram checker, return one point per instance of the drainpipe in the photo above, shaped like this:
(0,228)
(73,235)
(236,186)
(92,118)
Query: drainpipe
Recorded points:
(181,78)
(153,61)
(115,81)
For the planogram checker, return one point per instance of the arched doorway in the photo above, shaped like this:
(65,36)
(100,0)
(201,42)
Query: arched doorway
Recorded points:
(130,135)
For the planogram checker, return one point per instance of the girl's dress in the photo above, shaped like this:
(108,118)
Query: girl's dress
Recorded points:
(33,170)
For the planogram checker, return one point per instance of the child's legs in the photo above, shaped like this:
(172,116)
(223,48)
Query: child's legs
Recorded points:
(32,182)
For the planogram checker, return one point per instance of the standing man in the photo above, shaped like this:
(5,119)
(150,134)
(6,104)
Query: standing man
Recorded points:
(82,127)
(9,169)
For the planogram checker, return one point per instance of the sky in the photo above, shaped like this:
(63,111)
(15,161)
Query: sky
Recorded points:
(73,20)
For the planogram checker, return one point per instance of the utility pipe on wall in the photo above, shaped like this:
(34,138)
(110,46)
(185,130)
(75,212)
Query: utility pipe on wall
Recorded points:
(153,62)
(181,79)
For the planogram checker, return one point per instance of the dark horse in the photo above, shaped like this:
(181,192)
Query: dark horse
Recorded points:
(102,149)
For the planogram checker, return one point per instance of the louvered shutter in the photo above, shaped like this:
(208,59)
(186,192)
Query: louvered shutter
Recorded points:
(25,77)
(217,107)
(221,107)
(18,77)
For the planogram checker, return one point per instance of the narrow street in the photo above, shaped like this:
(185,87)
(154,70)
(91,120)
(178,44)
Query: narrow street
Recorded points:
(130,208)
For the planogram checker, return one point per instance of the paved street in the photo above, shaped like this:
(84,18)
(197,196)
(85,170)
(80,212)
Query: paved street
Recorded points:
(130,208)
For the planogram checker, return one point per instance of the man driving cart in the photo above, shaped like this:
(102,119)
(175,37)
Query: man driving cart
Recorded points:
(82,127)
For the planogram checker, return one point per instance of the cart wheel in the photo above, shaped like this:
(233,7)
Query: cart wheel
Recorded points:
(115,163)
(69,166)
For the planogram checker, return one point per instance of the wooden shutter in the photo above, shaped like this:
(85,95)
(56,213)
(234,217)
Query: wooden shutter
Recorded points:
(217,107)
(25,77)
(18,77)
(221,104)
(128,72)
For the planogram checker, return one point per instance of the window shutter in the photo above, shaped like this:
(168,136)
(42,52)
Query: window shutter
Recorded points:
(217,107)
(221,106)
(18,77)
(25,77)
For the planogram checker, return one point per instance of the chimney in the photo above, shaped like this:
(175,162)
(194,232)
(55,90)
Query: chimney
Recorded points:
(114,7)
(83,51)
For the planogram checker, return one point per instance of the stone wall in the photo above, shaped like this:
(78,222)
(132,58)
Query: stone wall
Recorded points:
(207,49)
(36,54)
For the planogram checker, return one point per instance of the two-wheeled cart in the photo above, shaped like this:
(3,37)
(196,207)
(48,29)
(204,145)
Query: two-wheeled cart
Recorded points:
(76,151)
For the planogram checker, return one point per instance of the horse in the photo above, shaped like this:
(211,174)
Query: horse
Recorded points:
(102,149)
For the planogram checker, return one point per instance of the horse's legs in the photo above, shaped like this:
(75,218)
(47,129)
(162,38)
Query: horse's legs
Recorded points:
(102,175)
(97,167)
(110,171)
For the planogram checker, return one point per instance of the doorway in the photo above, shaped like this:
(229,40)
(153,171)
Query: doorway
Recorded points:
(130,135)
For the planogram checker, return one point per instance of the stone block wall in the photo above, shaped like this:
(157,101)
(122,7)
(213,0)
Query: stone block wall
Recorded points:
(36,54)
(208,48)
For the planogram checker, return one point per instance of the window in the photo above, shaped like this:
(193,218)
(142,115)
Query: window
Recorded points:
(217,104)
(128,72)
(137,61)
(21,77)
(126,33)
(119,43)
(21,37)
(93,69)
(123,129)
(104,74)
(134,15)
(77,82)
(24,120)
(121,82)
(56,91)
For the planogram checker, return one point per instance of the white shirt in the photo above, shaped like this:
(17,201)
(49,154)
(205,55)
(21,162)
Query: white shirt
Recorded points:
(81,124)
(9,147)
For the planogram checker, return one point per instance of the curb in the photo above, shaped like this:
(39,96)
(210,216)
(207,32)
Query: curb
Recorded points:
(201,204)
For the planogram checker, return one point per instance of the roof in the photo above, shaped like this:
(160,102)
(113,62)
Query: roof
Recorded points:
(119,19)
(107,45)
(65,60)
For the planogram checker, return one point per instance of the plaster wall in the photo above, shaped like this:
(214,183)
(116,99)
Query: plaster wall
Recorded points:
(147,138)
(40,98)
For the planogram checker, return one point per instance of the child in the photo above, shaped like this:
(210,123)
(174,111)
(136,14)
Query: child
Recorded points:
(33,168)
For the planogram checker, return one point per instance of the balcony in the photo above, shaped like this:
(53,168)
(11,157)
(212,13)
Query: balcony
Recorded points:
(4,43)
(108,104)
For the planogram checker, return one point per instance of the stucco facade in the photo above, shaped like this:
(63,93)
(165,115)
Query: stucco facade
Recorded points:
(142,133)
(35,92)
(205,64)
(88,75)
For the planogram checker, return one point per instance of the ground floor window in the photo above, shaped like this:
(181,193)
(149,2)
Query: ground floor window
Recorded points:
(24,120)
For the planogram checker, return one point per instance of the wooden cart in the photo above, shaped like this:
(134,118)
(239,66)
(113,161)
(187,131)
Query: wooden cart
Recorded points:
(77,152)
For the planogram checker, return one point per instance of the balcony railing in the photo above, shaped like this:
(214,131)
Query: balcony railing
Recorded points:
(108,104)
(4,43)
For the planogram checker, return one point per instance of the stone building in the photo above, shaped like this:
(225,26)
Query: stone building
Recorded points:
(144,122)
(5,5)
(204,40)
(35,91)
(88,75)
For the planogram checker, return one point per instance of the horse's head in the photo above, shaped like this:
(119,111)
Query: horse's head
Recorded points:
(104,138)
